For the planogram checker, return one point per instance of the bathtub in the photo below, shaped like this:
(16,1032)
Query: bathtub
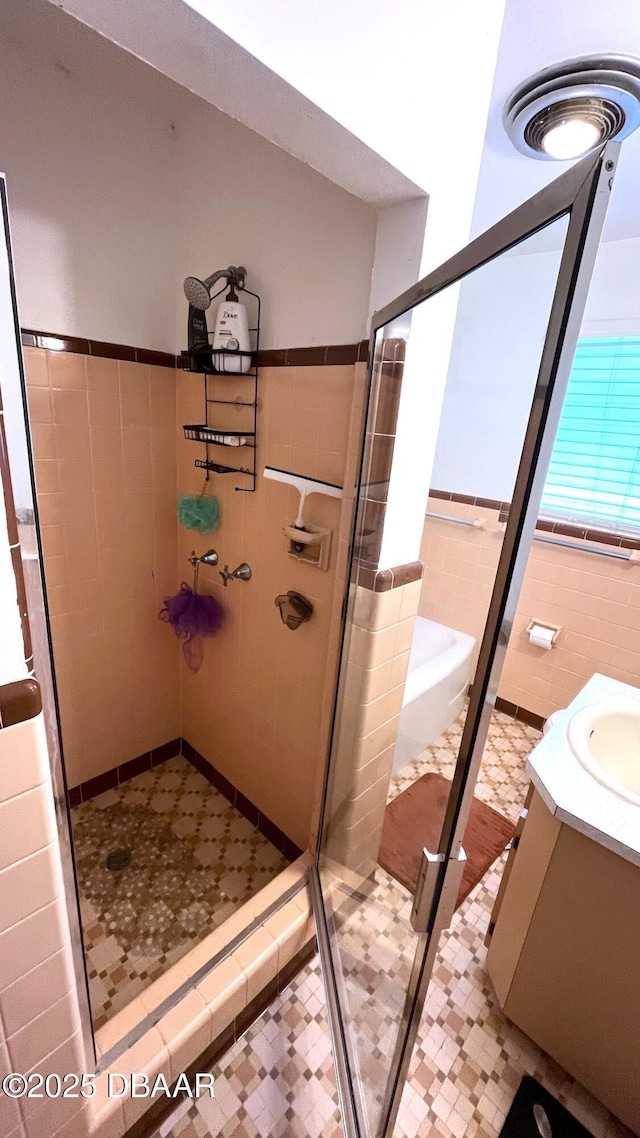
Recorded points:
(434,694)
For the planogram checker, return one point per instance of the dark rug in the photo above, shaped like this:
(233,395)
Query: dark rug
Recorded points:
(521,1120)
(414,819)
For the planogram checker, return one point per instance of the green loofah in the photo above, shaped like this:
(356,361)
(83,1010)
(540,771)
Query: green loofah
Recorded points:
(201,514)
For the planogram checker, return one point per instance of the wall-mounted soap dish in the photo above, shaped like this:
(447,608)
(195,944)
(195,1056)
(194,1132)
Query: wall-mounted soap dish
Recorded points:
(311,544)
(294,609)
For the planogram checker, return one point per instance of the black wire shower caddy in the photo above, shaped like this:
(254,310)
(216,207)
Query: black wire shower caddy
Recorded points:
(213,433)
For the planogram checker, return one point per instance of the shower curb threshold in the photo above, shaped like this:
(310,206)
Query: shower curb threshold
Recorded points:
(191,1008)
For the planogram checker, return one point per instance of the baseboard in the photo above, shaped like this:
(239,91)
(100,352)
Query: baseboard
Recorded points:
(122,773)
(147,1126)
(266,827)
(531,718)
(125,771)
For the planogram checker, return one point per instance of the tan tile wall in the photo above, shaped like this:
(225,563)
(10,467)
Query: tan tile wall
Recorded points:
(459,566)
(342,569)
(108,441)
(104,441)
(376,664)
(595,600)
(37,1030)
(255,709)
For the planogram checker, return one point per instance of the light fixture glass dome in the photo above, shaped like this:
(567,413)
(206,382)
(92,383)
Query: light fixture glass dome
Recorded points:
(572,107)
(571,138)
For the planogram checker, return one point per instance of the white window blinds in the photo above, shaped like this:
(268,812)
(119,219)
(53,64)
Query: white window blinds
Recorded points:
(594,476)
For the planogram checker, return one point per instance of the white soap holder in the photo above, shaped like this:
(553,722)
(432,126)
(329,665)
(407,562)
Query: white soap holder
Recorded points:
(311,544)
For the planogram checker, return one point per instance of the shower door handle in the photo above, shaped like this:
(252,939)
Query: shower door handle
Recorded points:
(432,868)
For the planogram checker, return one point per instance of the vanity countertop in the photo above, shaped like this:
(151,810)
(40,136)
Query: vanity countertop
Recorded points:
(571,794)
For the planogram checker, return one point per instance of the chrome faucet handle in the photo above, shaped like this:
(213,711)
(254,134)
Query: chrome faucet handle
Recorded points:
(242,573)
(208,558)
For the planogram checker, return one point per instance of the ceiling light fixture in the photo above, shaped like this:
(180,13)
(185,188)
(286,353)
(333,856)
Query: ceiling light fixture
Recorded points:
(572,107)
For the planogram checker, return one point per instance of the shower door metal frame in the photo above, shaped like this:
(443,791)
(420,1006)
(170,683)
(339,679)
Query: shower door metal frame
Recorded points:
(583,194)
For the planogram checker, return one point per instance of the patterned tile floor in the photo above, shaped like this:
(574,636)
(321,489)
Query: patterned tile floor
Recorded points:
(195,860)
(278,1081)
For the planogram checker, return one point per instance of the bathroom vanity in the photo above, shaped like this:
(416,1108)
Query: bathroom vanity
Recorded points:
(564,940)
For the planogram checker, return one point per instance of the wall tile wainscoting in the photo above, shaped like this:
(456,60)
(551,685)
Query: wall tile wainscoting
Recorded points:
(595,600)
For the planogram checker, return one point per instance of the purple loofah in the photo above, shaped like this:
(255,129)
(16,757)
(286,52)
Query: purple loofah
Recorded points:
(192,616)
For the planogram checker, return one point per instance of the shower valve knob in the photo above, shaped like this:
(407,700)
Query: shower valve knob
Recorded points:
(241,573)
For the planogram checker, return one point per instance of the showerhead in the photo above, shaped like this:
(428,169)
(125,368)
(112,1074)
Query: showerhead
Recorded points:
(198,292)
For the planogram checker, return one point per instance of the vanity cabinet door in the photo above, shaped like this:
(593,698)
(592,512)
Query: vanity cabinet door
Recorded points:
(513,846)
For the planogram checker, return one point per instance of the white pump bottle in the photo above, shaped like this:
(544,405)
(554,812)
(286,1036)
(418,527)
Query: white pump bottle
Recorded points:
(231,334)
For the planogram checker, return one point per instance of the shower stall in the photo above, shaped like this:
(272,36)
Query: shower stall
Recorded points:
(191,762)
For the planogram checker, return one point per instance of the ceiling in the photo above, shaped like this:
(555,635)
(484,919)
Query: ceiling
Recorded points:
(177,41)
(535,34)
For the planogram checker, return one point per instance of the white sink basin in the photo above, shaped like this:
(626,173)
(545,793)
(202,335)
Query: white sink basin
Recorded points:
(605,738)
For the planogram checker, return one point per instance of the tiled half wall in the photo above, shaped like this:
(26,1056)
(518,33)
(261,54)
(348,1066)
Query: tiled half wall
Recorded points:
(383,603)
(35,941)
(594,599)
(374,672)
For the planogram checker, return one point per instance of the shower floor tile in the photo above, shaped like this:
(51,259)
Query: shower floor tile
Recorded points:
(278,1080)
(193,860)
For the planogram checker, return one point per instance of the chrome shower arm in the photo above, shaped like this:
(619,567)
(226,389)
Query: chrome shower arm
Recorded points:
(198,292)
(230,273)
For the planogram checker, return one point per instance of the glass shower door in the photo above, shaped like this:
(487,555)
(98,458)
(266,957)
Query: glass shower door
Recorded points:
(521,289)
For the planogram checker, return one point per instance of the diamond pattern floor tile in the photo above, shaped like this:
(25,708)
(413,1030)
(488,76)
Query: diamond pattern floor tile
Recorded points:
(195,859)
(468,1059)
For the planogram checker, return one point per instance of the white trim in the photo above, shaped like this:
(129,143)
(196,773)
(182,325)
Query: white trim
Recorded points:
(620,326)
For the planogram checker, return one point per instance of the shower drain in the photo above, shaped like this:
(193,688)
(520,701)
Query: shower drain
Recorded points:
(118,859)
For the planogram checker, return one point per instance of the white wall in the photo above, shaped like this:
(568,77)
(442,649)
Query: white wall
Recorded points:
(411,81)
(499,331)
(398,254)
(121,183)
(308,245)
(12,662)
(410,84)
(382,71)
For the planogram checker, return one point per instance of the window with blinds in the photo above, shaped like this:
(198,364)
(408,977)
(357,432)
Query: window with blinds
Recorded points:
(594,476)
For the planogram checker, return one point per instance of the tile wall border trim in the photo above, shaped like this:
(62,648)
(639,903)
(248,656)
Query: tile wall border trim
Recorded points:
(267,828)
(116,776)
(54,342)
(561,529)
(383,580)
(19,701)
(109,779)
(469,500)
(326,355)
(522,714)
